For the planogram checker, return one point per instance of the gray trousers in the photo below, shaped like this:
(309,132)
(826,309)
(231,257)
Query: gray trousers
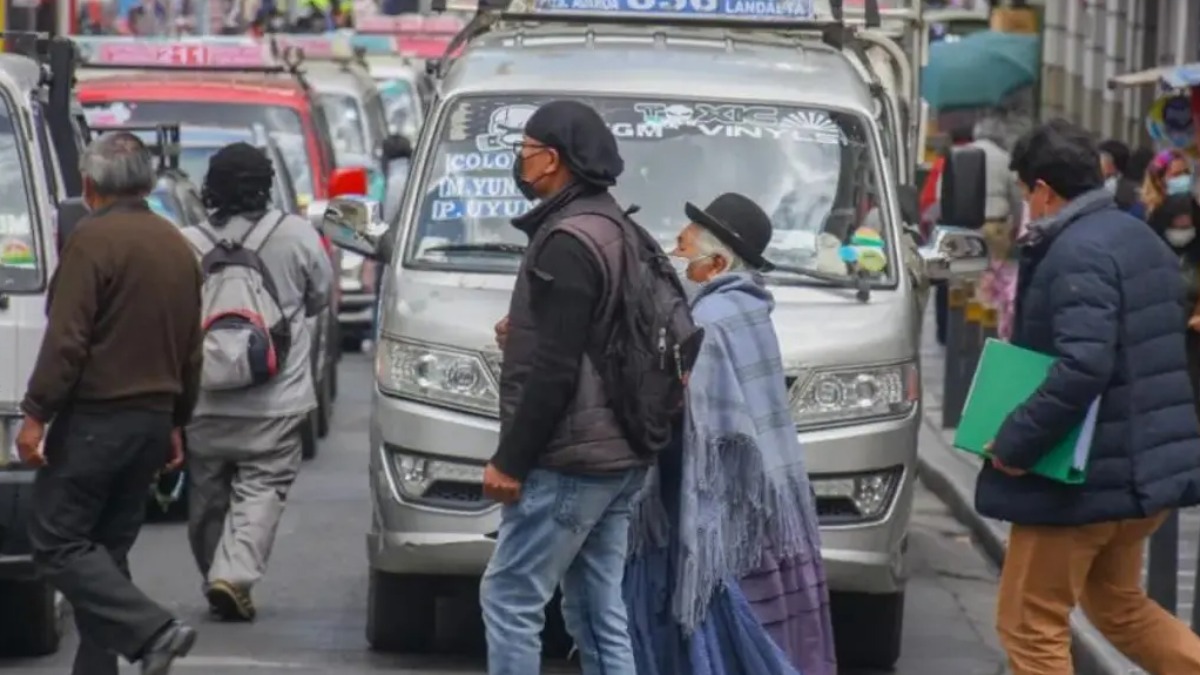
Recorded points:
(89,502)
(239,475)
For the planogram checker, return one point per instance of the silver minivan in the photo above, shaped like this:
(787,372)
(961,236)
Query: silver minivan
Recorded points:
(793,117)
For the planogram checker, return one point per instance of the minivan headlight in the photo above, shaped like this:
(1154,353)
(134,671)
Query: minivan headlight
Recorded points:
(435,374)
(855,395)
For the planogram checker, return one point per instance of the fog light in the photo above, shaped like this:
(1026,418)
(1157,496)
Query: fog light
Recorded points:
(870,493)
(412,474)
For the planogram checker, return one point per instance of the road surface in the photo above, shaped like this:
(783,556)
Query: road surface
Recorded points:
(312,604)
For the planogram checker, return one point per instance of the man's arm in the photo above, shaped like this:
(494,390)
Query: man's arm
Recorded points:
(74,304)
(568,288)
(186,403)
(1085,299)
(318,271)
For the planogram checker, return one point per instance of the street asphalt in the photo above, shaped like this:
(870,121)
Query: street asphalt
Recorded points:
(312,605)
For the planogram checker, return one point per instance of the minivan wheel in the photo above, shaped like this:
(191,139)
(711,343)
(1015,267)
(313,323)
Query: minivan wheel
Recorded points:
(29,618)
(308,435)
(868,628)
(401,612)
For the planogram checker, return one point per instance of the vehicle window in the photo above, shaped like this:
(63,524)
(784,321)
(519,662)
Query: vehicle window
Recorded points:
(812,170)
(46,148)
(346,124)
(376,117)
(20,265)
(324,138)
(400,105)
(162,202)
(193,207)
(280,121)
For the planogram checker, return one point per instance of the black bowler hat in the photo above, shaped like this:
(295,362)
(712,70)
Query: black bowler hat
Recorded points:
(738,223)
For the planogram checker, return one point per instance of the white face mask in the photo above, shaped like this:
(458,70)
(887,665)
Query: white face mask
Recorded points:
(1110,184)
(1180,236)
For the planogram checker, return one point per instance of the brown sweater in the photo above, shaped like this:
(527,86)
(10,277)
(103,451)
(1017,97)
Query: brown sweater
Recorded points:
(124,319)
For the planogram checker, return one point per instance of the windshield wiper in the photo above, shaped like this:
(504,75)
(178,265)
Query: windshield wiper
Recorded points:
(492,247)
(858,280)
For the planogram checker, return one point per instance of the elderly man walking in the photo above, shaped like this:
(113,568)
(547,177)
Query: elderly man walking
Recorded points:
(115,381)
(1101,293)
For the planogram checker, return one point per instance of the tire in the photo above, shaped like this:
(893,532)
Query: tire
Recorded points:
(351,341)
(401,612)
(30,622)
(308,435)
(870,627)
(324,406)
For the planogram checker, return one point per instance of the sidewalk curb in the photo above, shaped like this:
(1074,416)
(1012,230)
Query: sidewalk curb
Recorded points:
(953,483)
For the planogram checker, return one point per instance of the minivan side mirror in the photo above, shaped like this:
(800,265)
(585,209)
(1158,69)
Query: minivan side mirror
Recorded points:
(346,181)
(396,147)
(355,224)
(315,212)
(954,253)
(70,211)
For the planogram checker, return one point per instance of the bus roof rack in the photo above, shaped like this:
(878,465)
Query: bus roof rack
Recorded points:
(166,146)
(825,18)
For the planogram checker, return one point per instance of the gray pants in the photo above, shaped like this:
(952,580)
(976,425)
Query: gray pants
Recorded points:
(239,475)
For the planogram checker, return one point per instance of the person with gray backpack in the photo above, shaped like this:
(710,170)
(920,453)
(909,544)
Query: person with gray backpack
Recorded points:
(265,273)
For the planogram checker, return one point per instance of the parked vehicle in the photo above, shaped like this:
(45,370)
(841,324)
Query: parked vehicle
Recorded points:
(42,134)
(700,105)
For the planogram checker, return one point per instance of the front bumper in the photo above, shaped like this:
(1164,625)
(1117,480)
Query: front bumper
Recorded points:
(450,528)
(16,508)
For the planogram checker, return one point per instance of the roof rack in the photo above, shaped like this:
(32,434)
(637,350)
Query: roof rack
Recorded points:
(166,147)
(776,16)
(59,58)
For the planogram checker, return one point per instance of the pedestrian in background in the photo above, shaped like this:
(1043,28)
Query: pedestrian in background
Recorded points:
(930,207)
(1135,174)
(1169,173)
(115,380)
(245,439)
(1175,222)
(564,468)
(1099,292)
(726,575)
(1114,165)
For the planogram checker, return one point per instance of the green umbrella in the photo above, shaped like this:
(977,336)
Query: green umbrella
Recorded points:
(979,70)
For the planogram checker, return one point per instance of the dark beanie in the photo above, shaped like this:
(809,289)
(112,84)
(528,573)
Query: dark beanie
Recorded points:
(582,139)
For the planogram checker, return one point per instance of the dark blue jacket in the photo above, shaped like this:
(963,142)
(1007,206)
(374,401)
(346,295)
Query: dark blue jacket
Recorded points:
(1101,292)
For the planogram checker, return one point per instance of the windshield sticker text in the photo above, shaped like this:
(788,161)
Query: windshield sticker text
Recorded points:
(476,209)
(743,121)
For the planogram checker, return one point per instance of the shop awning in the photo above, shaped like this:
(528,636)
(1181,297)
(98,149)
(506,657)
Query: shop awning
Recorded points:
(1139,79)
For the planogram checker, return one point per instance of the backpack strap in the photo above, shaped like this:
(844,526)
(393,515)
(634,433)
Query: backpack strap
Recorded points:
(262,241)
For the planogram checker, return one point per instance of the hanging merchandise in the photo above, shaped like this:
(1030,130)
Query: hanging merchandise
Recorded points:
(1170,123)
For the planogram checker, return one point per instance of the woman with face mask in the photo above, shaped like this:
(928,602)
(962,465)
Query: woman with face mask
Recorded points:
(1169,173)
(1175,220)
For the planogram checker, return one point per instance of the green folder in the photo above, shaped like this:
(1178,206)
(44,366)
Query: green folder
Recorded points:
(1006,377)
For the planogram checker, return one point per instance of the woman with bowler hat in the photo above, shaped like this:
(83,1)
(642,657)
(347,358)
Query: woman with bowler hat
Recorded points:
(725,574)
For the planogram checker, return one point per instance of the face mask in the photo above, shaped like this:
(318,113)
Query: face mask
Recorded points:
(1110,184)
(526,187)
(1179,185)
(1180,236)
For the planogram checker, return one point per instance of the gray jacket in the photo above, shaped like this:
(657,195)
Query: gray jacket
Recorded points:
(303,276)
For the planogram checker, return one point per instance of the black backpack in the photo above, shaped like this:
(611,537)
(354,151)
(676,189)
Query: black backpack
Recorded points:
(652,344)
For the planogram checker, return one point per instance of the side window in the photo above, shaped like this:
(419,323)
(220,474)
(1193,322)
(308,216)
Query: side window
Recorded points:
(193,208)
(46,149)
(376,115)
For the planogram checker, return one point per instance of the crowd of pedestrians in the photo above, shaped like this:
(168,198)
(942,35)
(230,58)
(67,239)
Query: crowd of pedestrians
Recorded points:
(648,464)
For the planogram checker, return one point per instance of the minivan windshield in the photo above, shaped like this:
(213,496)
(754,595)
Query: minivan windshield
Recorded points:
(19,264)
(283,123)
(812,170)
(346,124)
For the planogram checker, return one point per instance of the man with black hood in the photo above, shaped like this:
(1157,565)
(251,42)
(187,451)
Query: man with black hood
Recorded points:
(563,468)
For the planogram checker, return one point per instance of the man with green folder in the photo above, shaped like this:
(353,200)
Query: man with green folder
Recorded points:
(1099,297)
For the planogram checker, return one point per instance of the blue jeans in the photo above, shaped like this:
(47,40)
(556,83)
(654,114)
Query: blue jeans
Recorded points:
(571,530)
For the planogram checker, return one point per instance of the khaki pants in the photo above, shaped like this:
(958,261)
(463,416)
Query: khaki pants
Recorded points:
(1048,570)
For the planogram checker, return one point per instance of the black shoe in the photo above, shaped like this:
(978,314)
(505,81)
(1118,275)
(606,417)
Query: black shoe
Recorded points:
(228,602)
(173,642)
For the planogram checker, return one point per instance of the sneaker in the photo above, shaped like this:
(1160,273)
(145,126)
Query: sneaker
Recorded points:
(173,642)
(228,602)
